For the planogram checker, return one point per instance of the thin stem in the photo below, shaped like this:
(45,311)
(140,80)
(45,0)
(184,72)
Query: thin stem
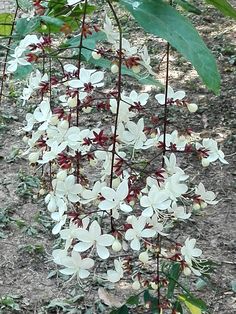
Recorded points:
(78,75)
(118,97)
(8,45)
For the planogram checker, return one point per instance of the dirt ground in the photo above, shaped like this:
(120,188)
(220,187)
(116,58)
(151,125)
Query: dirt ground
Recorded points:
(25,240)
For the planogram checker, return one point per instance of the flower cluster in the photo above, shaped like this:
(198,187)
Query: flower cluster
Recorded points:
(103,197)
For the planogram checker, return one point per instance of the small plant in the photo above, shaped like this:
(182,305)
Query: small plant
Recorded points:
(28,186)
(8,303)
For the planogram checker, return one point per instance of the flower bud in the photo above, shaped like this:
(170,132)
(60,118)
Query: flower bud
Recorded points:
(187,271)
(205,162)
(33,157)
(196,206)
(203,205)
(72,102)
(87,109)
(42,191)
(143,257)
(154,285)
(44,27)
(116,246)
(115,183)
(136,285)
(96,55)
(192,107)
(136,69)
(25,139)
(114,68)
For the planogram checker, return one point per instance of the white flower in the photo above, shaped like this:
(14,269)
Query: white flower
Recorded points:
(179,211)
(140,99)
(174,139)
(112,36)
(189,252)
(206,196)
(174,187)
(154,201)
(115,199)
(72,232)
(60,218)
(28,40)
(124,113)
(53,153)
(135,135)
(91,195)
(18,60)
(75,265)
(107,158)
(171,95)
(30,122)
(156,225)
(88,77)
(212,150)
(126,48)
(68,188)
(171,167)
(93,237)
(58,256)
(138,232)
(43,114)
(117,274)
(146,60)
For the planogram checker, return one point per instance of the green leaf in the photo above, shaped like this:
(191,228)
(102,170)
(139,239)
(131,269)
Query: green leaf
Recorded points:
(51,20)
(6,20)
(173,277)
(188,6)
(25,27)
(122,310)
(224,6)
(22,71)
(177,307)
(196,306)
(152,301)
(25,4)
(133,300)
(160,19)
(89,42)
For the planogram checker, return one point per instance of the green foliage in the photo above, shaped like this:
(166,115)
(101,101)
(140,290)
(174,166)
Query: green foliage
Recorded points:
(9,303)
(28,185)
(160,19)
(6,20)
(224,6)
(25,4)
(173,276)
(188,6)
(196,306)
(24,27)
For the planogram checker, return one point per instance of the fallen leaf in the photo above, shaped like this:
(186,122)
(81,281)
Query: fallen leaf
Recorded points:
(108,298)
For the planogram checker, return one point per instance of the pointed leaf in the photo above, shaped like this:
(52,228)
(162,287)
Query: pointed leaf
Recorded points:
(160,19)
(223,6)
(6,20)
(188,6)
